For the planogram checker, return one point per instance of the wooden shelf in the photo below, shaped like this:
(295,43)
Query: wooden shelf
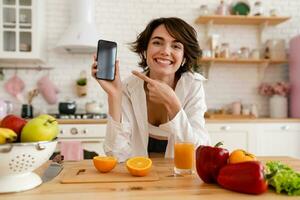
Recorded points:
(241,61)
(241,20)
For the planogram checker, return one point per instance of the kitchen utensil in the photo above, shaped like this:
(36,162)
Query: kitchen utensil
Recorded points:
(19,160)
(54,169)
(31,94)
(93,107)
(67,108)
(89,174)
(27,111)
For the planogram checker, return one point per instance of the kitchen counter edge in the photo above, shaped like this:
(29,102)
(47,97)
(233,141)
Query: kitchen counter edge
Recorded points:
(219,120)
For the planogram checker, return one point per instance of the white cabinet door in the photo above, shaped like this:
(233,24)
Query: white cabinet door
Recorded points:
(279,139)
(233,135)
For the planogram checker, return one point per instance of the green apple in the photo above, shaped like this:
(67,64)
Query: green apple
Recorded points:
(42,128)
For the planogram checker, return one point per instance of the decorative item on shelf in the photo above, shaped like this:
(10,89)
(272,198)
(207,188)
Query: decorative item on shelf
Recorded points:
(81,84)
(240,8)
(203,10)
(222,9)
(275,49)
(258,9)
(224,50)
(244,52)
(278,94)
(273,12)
(255,54)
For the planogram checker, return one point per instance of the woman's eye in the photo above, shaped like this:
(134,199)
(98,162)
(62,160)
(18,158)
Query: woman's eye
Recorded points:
(156,42)
(177,46)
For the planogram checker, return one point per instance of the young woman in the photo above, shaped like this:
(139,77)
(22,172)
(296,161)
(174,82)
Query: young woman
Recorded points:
(149,110)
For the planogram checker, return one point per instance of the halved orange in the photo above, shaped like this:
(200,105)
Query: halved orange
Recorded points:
(104,163)
(139,166)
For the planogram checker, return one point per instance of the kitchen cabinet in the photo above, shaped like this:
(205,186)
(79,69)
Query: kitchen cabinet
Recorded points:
(281,139)
(260,138)
(233,135)
(22,33)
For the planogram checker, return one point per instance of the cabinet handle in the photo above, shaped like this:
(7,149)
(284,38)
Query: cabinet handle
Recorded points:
(225,128)
(286,127)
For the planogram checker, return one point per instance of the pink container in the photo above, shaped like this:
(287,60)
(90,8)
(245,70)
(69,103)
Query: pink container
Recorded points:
(294,70)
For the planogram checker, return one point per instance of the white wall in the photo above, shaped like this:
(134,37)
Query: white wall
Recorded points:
(122,20)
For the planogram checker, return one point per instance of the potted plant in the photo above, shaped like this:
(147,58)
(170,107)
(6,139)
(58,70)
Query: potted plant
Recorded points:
(81,85)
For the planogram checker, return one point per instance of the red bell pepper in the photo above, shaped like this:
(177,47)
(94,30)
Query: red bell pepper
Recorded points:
(246,177)
(209,160)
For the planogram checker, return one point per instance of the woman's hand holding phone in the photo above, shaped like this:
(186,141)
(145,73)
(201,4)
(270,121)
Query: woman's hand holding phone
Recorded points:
(112,88)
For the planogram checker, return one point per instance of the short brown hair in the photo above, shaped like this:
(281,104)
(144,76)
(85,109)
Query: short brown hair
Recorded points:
(178,29)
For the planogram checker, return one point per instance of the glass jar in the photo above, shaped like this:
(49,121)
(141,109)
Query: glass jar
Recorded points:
(224,51)
(244,52)
(203,10)
(258,9)
(273,12)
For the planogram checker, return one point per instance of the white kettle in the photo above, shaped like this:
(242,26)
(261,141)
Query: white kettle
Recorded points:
(93,107)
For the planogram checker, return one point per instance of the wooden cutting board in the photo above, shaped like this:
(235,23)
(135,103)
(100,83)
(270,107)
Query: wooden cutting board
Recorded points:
(89,174)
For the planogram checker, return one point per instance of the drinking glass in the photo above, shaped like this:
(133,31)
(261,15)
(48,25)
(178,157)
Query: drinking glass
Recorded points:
(184,155)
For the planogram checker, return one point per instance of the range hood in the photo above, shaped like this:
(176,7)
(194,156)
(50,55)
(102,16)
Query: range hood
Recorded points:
(81,35)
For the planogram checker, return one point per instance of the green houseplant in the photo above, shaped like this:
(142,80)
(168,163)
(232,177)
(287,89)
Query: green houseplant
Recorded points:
(81,85)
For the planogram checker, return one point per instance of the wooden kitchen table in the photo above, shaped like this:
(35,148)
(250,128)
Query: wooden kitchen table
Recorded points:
(167,188)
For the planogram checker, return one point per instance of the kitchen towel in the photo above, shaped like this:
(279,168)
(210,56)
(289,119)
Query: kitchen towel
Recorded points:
(48,89)
(14,86)
(71,150)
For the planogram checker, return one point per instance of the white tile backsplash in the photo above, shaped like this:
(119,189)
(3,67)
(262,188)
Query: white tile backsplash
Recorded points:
(121,21)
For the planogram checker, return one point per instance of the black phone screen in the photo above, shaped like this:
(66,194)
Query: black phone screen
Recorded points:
(106,59)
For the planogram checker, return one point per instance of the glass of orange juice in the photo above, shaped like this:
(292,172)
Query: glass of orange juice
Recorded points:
(184,155)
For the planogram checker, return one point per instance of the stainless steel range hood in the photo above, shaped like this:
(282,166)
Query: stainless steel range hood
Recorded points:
(81,35)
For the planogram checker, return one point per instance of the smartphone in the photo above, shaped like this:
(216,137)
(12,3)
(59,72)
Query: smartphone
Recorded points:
(106,60)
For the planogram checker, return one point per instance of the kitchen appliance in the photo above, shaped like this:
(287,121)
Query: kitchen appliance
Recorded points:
(80,116)
(294,71)
(67,108)
(81,36)
(83,127)
(19,160)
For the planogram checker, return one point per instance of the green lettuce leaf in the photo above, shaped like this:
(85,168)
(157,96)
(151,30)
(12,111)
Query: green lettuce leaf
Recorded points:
(283,178)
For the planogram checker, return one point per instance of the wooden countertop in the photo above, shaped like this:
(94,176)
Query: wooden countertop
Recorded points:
(233,120)
(167,188)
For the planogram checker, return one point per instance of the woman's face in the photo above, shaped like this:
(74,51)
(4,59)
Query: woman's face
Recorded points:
(164,53)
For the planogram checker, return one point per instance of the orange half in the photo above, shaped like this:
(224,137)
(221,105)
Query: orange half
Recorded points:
(104,164)
(139,166)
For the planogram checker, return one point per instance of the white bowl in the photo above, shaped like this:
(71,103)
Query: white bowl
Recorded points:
(19,160)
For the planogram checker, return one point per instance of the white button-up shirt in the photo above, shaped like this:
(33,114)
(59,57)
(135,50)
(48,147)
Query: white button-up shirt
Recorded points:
(130,137)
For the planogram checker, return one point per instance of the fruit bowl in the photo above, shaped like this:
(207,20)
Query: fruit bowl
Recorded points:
(19,160)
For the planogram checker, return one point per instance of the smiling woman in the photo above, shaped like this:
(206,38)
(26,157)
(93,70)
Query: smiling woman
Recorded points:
(149,110)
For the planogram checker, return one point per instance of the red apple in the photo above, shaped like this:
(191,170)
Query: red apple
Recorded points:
(13,122)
